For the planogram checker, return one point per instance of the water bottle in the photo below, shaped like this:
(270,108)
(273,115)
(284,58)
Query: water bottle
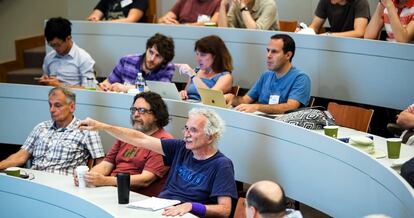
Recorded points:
(140,82)
(90,83)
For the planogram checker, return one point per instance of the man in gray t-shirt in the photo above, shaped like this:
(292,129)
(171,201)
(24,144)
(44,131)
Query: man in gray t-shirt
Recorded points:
(347,18)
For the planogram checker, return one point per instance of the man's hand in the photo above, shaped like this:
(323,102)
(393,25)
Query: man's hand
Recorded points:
(49,80)
(169,20)
(178,210)
(90,124)
(104,86)
(410,109)
(118,87)
(94,179)
(406,120)
(247,108)
(93,17)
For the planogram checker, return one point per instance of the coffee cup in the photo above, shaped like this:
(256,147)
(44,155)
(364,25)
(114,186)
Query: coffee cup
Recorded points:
(393,148)
(13,171)
(80,172)
(123,183)
(331,131)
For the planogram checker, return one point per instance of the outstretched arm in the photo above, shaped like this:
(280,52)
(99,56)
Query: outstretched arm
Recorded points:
(130,136)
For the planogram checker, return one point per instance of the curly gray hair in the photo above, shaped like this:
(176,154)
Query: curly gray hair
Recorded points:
(214,125)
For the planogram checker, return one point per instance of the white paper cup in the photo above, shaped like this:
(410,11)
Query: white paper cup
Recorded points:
(80,172)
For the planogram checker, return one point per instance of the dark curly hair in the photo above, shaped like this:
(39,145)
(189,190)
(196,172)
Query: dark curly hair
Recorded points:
(158,107)
(164,46)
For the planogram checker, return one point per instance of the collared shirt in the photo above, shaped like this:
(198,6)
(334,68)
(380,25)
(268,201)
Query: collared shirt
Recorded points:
(61,150)
(295,84)
(264,13)
(72,69)
(129,66)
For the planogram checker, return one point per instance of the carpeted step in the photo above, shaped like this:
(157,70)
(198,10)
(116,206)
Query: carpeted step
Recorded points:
(24,76)
(33,58)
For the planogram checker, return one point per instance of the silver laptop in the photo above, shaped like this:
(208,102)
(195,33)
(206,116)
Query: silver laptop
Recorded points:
(212,97)
(165,89)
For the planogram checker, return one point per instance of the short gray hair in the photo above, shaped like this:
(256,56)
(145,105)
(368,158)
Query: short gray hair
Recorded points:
(214,125)
(70,96)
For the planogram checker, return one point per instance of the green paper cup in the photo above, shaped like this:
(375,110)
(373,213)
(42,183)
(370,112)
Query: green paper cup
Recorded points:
(331,131)
(210,24)
(13,171)
(393,148)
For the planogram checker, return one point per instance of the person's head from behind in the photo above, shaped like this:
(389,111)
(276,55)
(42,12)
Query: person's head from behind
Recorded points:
(280,51)
(265,199)
(212,54)
(58,34)
(159,51)
(203,128)
(148,112)
(61,105)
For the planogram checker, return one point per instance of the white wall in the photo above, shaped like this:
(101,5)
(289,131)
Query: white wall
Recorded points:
(80,9)
(23,19)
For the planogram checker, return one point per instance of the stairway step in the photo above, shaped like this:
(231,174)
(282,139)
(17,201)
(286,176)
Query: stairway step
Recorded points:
(33,58)
(24,76)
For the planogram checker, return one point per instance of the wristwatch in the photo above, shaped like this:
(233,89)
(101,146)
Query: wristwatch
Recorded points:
(245,8)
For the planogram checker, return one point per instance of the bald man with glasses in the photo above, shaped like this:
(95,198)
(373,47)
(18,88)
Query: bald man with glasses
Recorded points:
(149,115)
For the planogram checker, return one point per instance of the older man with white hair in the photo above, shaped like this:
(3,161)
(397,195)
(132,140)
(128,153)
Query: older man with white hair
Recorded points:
(201,176)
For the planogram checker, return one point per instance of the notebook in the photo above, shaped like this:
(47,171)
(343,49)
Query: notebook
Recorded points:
(153,203)
(212,97)
(165,89)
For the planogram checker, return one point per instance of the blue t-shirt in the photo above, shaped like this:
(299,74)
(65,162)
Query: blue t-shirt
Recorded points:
(192,90)
(295,84)
(192,180)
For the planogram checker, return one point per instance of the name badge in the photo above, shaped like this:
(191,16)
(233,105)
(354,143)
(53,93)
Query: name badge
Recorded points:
(125,3)
(274,99)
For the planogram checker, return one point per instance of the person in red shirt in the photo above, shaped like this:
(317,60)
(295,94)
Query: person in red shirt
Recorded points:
(149,114)
(397,17)
(192,12)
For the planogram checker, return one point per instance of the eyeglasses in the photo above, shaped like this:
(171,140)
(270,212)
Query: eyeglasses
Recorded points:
(140,110)
(192,130)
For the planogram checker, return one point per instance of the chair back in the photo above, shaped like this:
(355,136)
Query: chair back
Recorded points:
(351,116)
(235,90)
(151,12)
(240,211)
(288,26)
(312,101)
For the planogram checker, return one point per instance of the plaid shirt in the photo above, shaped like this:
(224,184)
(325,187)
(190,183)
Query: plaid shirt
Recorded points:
(62,150)
(129,66)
